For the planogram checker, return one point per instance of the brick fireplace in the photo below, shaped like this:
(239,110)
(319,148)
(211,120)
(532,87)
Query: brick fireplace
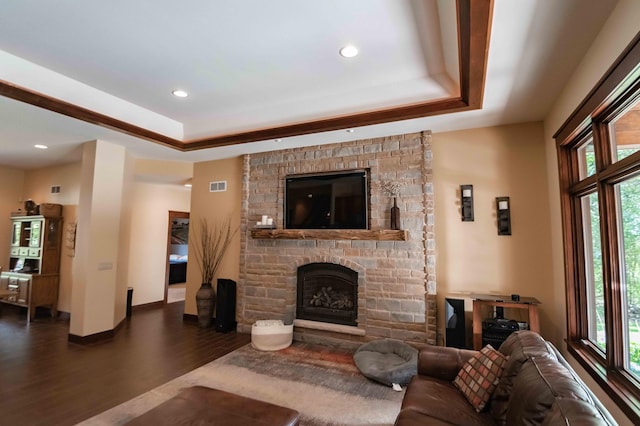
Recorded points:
(394,280)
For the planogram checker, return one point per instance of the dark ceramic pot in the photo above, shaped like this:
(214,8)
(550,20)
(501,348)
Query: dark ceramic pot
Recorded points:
(205,303)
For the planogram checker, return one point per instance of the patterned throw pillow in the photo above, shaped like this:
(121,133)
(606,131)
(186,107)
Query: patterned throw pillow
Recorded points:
(479,376)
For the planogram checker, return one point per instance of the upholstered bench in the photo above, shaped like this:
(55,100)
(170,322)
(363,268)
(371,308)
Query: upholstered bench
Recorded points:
(199,405)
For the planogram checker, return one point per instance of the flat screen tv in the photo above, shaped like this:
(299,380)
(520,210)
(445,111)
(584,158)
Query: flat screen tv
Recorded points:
(326,201)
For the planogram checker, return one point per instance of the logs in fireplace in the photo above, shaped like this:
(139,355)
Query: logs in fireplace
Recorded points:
(327,293)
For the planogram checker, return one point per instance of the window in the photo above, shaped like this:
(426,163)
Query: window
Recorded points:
(624,134)
(593,271)
(628,197)
(587,159)
(599,165)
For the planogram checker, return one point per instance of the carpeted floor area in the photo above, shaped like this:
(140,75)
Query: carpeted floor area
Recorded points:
(321,383)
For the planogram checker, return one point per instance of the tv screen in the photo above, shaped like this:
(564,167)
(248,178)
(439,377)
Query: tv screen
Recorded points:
(326,201)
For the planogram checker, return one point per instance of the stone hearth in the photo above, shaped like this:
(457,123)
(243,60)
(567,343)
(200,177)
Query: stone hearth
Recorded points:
(395,279)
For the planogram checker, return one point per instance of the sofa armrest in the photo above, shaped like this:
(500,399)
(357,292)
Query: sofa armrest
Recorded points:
(441,362)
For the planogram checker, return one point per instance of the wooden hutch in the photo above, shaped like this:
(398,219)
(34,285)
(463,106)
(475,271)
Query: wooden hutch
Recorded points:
(34,263)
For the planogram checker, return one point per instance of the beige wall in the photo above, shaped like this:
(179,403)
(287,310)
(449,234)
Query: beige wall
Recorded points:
(11,184)
(616,34)
(214,206)
(148,237)
(20,185)
(174,172)
(470,256)
(37,186)
(143,201)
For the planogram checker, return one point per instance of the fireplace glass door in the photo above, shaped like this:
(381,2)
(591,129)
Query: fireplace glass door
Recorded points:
(327,293)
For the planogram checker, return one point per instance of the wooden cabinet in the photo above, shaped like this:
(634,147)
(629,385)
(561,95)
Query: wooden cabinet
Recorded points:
(528,304)
(35,244)
(34,263)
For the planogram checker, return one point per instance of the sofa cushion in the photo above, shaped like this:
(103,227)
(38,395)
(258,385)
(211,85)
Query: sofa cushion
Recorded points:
(566,411)
(532,395)
(435,401)
(441,362)
(519,347)
(479,376)
(413,417)
(545,387)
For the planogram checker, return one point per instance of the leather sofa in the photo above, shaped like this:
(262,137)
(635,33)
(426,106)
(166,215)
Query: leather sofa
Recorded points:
(537,386)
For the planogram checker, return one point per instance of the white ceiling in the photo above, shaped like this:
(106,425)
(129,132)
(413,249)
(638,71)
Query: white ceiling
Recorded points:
(253,64)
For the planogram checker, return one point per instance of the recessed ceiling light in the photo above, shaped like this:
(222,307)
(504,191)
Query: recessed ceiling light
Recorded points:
(349,51)
(180,93)
(188,185)
(277,140)
(350,130)
(40,146)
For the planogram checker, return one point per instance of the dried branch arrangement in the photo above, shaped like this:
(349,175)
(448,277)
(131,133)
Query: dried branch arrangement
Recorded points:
(390,188)
(211,244)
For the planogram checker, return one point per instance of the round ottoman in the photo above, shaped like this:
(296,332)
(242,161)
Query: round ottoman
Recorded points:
(387,361)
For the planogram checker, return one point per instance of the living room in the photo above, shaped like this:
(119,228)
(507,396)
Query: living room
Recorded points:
(121,203)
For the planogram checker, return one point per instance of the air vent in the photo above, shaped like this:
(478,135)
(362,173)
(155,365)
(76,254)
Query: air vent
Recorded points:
(55,189)
(219,186)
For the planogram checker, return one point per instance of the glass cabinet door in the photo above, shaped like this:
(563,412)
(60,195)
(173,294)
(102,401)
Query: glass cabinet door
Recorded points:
(15,235)
(34,239)
(52,234)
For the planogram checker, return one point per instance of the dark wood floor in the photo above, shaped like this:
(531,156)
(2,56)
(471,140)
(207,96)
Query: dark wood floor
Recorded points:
(44,379)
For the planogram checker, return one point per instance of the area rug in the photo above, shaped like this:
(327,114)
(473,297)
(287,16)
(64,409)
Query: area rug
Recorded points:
(323,384)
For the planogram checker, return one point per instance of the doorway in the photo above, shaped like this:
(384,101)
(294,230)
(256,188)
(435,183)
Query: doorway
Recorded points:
(177,257)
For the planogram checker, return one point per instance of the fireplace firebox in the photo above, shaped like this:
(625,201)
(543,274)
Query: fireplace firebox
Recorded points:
(328,293)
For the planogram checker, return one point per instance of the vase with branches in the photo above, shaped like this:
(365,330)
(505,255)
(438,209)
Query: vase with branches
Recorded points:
(210,245)
(392,189)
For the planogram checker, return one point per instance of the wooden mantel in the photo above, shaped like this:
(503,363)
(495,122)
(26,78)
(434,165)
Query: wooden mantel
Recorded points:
(329,234)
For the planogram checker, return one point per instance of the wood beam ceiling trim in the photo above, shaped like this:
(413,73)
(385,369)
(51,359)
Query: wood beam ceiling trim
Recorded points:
(337,123)
(479,27)
(49,103)
(474,28)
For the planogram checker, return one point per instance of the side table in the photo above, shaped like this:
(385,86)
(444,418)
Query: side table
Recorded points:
(479,301)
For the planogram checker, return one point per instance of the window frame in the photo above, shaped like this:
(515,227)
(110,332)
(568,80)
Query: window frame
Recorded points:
(619,88)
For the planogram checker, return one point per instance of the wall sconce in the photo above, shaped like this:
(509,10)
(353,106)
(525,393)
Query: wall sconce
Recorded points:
(504,215)
(466,202)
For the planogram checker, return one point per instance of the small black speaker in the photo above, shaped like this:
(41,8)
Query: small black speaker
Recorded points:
(226,306)
(455,328)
